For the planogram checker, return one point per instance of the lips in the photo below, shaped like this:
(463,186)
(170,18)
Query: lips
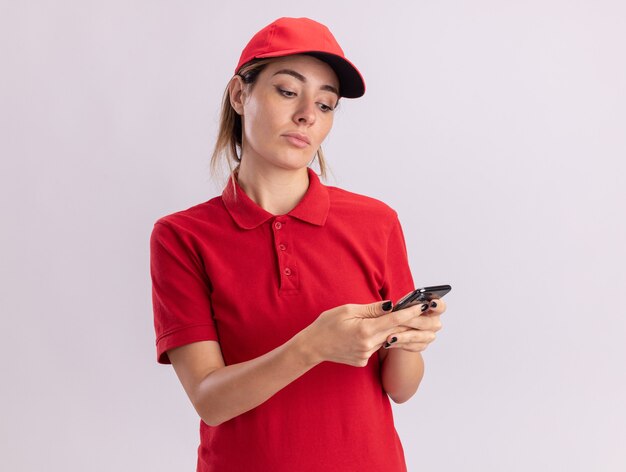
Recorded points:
(297,139)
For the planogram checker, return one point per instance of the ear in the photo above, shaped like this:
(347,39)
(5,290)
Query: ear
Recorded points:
(236,94)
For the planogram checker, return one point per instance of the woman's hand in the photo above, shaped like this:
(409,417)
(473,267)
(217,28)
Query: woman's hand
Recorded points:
(419,331)
(350,334)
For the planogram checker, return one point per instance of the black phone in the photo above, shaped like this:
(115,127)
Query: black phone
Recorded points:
(421,295)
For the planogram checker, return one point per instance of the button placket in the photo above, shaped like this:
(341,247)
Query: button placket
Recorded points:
(286,261)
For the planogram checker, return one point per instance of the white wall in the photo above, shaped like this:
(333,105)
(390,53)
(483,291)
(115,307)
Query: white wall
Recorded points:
(496,129)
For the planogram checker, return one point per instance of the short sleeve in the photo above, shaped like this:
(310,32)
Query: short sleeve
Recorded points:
(398,280)
(180,291)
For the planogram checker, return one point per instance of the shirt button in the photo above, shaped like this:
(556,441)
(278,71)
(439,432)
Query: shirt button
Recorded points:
(287,271)
(278,225)
(282,247)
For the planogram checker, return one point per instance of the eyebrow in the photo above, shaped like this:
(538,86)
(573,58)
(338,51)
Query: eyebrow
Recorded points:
(302,78)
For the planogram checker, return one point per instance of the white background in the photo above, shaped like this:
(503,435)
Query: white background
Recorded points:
(496,129)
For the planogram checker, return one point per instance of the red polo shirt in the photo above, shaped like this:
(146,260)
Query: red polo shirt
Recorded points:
(227,270)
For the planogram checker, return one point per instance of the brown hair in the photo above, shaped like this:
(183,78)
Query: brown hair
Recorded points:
(229,138)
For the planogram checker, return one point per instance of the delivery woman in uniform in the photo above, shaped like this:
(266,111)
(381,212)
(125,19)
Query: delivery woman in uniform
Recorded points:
(273,301)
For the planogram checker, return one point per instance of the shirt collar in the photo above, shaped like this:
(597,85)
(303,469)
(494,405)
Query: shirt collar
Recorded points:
(313,208)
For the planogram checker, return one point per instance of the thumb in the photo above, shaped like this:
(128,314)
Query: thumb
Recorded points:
(375,310)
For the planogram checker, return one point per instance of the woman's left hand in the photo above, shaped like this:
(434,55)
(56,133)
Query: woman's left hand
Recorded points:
(421,330)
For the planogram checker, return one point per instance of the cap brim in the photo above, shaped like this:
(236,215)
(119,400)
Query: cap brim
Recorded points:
(351,83)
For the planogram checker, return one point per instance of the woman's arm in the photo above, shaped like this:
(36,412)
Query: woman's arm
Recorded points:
(402,372)
(402,363)
(220,392)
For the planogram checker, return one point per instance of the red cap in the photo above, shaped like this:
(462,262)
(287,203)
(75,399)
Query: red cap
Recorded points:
(287,36)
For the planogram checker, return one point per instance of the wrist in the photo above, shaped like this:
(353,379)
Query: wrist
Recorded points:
(305,349)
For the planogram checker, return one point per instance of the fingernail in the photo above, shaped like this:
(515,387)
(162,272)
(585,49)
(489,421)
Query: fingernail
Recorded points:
(386,345)
(393,340)
(425,307)
(387,306)
(433,304)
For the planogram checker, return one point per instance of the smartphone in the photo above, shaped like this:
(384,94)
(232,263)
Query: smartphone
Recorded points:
(421,295)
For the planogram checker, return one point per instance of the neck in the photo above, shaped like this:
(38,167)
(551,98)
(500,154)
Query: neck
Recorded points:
(277,191)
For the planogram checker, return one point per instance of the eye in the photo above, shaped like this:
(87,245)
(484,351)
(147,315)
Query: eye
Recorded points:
(325,108)
(286,93)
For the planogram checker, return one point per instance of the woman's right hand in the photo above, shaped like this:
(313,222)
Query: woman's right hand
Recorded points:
(350,334)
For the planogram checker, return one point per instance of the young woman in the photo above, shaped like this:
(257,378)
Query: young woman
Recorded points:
(273,301)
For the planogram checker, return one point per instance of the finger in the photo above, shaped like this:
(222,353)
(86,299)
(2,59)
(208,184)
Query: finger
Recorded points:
(398,318)
(409,318)
(384,337)
(413,347)
(436,307)
(417,309)
(406,338)
(423,308)
(374,310)
(425,323)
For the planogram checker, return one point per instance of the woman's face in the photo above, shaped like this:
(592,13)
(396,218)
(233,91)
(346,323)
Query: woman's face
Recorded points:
(288,112)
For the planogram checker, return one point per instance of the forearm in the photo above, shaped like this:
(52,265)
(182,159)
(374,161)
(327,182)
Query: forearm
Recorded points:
(234,389)
(402,372)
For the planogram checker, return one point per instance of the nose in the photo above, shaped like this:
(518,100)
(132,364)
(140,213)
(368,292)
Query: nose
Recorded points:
(305,113)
